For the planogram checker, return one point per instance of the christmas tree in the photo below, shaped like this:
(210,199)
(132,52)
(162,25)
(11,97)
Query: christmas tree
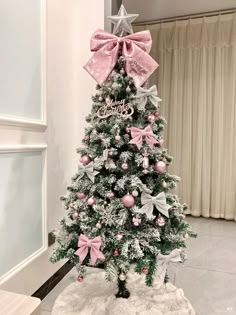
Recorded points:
(120,208)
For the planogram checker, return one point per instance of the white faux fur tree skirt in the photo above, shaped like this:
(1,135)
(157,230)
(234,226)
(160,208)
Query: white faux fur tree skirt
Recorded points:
(96,296)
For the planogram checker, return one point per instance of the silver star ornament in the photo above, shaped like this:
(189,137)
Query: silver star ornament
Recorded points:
(122,22)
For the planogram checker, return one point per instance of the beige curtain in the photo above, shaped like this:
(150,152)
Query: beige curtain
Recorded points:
(197,82)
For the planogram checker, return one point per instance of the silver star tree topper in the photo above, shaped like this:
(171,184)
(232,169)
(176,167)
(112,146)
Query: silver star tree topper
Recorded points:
(122,22)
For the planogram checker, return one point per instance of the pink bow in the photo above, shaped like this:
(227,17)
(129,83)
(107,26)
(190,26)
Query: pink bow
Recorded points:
(139,65)
(139,135)
(94,244)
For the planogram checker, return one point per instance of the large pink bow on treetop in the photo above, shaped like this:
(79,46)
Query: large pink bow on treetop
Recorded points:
(135,49)
(94,244)
(139,135)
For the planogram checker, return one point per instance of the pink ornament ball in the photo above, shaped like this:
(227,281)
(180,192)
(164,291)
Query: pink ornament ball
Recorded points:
(136,221)
(128,201)
(75,215)
(87,138)
(151,118)
(85,159)
(160,221)
(117,137)
(91,201)
(160,167)
(116,252)
(80,278)
(110,195)
(145,270)
(156,114)
(71,205)
(119,236)
(80,195)
(124,166)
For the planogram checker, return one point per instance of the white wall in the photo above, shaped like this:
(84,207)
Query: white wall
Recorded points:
(156,9)
(70,26)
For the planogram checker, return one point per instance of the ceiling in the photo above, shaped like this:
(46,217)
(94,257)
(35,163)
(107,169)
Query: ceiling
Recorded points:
(157,9)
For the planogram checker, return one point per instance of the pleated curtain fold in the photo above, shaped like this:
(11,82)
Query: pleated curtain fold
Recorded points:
(197,82)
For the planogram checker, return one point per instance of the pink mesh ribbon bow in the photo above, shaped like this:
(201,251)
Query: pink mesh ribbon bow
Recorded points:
(94,244)
(139,135)
(135,49)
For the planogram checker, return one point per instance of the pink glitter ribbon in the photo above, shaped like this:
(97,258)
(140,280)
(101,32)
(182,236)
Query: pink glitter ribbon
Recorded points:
(135,49)
(94,244)
(139,135)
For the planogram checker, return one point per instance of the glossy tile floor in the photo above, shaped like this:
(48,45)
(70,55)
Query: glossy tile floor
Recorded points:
(208,278)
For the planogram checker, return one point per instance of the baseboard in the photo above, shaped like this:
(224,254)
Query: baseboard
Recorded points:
(44,290)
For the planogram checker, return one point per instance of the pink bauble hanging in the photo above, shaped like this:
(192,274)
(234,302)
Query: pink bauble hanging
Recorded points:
(85,159)
(145,270)
(75,215)
(151,118)
(87,138)
(80,278)
(136,221)
(117,137)
(116,252)
(160,167)
(80,195)
(119,236)
(128,201)
(110,195)
(160,221)
(71,205)
(91,201)
(156,114)
(124,166)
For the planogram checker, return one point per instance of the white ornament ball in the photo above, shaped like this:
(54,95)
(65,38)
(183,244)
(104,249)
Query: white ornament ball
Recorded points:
(160,167)
(124,166)
(91,201)
(100,98)
(128,201)
(186,236)
(122,276)
(122,71)
(135,193)
(98,225)
(164,184)
(161,142)
(128,89)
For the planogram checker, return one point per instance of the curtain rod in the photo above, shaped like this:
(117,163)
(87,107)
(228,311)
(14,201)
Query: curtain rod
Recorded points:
(186,17)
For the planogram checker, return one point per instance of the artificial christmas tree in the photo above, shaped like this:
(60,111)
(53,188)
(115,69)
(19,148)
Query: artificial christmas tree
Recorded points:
(120,208)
